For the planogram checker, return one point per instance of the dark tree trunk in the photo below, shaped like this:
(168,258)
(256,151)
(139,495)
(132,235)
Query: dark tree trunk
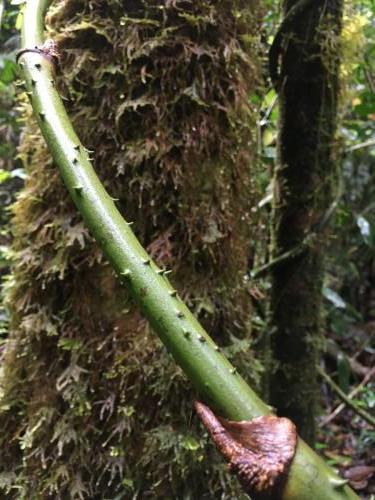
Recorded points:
(308,92)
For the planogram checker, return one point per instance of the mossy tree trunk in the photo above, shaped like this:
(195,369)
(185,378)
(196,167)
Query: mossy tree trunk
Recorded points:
(304,181)
(92,405)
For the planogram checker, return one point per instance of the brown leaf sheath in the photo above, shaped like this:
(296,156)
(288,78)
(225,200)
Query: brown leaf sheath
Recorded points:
(259,451)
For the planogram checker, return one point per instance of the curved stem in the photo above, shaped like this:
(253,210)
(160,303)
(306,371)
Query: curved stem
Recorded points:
(308,240)
(359,411)
(351,395)
(211,374)
(184,337)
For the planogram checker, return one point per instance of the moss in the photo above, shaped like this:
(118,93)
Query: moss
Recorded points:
(92,405)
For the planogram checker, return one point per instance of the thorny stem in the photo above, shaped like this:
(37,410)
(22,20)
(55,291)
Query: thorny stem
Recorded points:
(211,374)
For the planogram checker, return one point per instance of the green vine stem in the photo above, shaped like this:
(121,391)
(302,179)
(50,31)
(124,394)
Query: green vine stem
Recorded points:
(341,394)
(211,374)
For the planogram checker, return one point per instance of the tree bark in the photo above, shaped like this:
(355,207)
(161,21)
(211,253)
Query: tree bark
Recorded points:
(308,47)
(260,465)
(158,92)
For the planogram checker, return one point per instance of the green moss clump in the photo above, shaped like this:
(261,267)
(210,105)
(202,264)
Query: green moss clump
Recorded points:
(92,406)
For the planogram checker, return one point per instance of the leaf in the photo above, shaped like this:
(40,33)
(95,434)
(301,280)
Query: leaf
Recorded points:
(78,489)
(70,374)
(190,443)
(76,233)
(4,175)
(192,92)
(213,233)
(63,434)
(131,21)
(128,483)
(364,226)
(69,344)
(367,232)
(7,479)
(334,298)
(19,173)
(336,458)
(7,70)
(85,25)
(269,152)
(359,475)
(269,137)
(344,372)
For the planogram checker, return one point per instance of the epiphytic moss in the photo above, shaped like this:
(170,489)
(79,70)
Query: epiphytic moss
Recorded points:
(92,405)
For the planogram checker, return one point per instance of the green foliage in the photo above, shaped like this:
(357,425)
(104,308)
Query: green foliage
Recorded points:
(11,173)
(350,278)
(92,405)
(351,267)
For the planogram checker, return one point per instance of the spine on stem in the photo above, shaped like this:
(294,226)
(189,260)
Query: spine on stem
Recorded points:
(213,376)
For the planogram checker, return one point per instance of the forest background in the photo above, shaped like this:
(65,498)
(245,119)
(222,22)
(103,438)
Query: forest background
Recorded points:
(182,457)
